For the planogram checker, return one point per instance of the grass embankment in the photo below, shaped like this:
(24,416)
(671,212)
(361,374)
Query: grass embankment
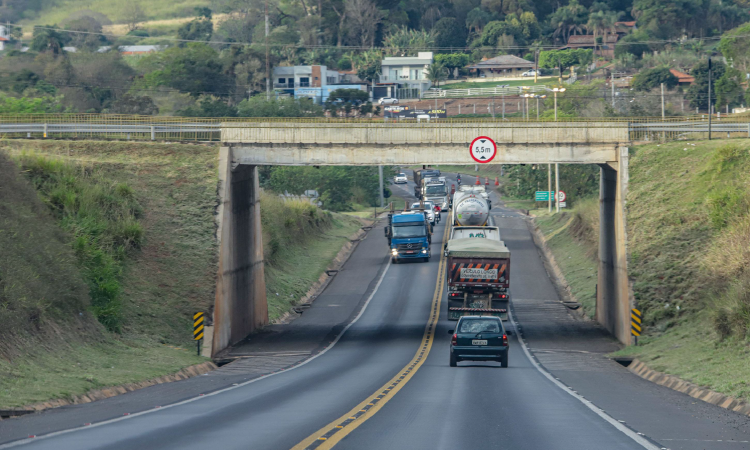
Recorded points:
(114,10)
(688,234)
(124,233)
(525,81)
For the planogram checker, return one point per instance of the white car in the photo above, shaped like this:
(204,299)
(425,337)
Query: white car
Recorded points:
(427,209)
(400,178)
(529,73)
(388,101)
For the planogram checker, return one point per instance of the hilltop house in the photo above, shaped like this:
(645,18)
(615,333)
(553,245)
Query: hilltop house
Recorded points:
(501,66)
(405,72)
(315,82)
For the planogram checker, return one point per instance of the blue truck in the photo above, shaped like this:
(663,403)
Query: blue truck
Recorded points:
(409,236)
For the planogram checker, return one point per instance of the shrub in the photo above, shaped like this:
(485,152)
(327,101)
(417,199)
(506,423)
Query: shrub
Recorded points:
(103,219)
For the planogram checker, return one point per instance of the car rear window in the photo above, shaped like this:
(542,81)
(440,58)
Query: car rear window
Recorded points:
(479,326)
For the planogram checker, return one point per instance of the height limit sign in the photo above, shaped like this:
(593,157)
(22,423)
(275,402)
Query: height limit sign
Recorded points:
(483,149)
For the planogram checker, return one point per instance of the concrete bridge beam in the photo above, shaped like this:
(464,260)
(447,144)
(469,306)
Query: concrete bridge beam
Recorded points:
(241,306)
(613,302)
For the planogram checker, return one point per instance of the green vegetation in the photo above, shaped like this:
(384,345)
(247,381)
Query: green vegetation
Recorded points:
(125,233)
(114,10)
(572,236)
(299,241)
(546,81)
(688,228)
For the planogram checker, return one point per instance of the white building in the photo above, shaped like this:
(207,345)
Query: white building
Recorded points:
(408,71)
(4,36)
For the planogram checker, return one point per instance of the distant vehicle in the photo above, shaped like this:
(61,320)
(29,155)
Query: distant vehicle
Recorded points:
(400,178)
(435,191)
(427,209)
(388,101)
(530,73)
(409,236)
(479,338)
(419,174)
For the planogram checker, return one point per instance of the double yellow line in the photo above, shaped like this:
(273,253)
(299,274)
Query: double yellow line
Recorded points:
(331,434)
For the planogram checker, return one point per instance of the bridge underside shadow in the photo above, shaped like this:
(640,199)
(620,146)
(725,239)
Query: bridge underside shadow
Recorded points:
(241,305)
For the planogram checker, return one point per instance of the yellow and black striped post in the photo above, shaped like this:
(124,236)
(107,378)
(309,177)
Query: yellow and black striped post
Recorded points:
(198,329)
(636,317)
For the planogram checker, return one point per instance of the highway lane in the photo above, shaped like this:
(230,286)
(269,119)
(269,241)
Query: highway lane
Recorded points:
(279,411)
(473,406)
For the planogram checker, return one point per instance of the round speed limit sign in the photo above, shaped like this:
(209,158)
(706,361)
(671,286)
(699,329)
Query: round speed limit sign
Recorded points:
(483,149)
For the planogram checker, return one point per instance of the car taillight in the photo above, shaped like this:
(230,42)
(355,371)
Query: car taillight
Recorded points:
(505,340)
(503,296)
(453,339)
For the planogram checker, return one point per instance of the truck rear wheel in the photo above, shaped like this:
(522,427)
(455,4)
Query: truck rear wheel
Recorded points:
(453,362)
(504,359)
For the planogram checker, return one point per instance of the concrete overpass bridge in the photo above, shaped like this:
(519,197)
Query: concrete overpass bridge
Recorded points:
(240,295)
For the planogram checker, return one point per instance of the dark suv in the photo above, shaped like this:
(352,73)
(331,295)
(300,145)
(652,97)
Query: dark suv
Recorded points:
(479,338)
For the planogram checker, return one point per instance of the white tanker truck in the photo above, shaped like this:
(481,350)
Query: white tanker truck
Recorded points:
(478,269)
(470,208)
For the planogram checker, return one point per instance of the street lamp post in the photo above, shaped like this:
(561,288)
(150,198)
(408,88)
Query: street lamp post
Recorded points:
(555,91)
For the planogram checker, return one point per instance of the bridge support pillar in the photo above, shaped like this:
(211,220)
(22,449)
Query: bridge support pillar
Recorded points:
(241,306)
(612,295)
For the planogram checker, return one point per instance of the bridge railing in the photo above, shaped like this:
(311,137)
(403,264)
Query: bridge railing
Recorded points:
(122,127)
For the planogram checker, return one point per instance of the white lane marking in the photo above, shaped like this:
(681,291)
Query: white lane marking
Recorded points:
(643,442)
(202,396)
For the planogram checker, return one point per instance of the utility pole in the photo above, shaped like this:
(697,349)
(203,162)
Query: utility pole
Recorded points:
(709,99)
(549,186)
(382,197)
(536,64)
(612,81)
(557,187)
(663,133)
(537,108)
(503,105)
(268,65)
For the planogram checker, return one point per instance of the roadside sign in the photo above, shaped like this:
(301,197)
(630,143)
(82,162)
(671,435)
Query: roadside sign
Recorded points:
(636,317)
(198,326)
(483,149)
(561,196)
(542,196)
(563,204)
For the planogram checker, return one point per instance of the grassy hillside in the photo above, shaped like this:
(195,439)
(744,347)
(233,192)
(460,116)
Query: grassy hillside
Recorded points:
(688,229)
(113,9)
(125,233)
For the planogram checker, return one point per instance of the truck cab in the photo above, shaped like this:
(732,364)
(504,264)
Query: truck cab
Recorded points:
(419,176)
(436,192)
(409,236)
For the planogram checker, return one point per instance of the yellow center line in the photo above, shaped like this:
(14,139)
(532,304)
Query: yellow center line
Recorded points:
(328,436)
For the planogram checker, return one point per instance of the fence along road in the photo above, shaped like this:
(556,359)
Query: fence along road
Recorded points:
(103,126)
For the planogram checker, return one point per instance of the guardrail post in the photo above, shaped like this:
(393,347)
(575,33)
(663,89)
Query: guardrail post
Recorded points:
(153,133)
(45,130)
(128,136)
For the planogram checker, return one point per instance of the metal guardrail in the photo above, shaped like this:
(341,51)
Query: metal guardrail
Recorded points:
(472,92)
(209,129)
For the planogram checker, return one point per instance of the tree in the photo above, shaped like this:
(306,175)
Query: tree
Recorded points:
(258,106)
(549,59)
(364,18)
(209,106)
(664,19)
(196,30)
(195,69)
(601,22)
(632,44)
(735,46)
(729,90)
(452,61)
(436,73)
(89,35)
(46,39)
(449,33)
(652,78)
(698,92)
(568,20)
(404,41)
(133,14)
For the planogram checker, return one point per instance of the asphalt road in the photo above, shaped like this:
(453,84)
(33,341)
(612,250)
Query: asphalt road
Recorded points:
(476,405)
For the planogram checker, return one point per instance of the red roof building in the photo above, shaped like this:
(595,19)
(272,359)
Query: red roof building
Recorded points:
(683,79)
